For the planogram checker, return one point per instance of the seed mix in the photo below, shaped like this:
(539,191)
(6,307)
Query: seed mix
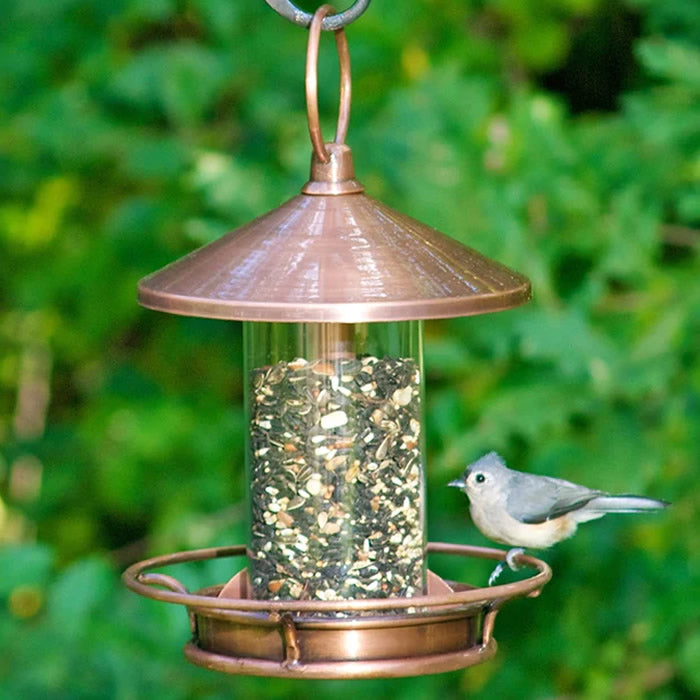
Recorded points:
(336,479)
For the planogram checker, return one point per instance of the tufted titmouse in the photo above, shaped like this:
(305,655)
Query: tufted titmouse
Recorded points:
(526,510)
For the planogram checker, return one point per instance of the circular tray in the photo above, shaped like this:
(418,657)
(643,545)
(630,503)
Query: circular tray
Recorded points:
(449,628)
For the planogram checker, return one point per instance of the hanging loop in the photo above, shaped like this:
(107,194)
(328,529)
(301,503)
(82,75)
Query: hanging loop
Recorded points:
(341,43)
(336,21)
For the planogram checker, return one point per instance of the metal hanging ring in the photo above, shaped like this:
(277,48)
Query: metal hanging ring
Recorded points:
(341,43)
(336,21)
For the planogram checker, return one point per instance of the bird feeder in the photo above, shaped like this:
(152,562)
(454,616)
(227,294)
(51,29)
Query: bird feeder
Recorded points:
(332,288)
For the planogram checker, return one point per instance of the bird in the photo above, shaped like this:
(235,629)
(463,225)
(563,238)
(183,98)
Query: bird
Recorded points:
(528,511)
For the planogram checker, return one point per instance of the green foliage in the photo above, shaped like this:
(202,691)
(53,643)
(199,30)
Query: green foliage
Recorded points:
(132,131)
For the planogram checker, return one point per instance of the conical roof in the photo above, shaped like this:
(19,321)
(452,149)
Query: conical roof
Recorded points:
(335,255)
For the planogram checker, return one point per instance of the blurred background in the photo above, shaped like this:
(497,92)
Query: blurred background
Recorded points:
(561,137)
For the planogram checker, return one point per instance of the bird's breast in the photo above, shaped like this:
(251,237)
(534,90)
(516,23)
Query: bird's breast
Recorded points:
(498,525)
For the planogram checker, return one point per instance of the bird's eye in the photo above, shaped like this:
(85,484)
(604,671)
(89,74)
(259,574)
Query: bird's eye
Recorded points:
(479,478)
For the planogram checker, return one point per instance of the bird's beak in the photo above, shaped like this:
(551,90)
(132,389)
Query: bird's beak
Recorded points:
(458,483)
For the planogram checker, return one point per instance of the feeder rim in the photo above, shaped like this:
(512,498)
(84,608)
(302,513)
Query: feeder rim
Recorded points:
(332,312)
(138,580)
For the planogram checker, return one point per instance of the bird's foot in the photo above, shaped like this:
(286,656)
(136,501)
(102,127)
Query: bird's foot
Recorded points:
(510,557)
(495,574)
(510,561)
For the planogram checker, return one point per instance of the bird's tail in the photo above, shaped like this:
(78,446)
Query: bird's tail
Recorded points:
(625,503)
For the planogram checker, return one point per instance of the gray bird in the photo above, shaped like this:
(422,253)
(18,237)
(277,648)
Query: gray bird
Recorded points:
(526,510)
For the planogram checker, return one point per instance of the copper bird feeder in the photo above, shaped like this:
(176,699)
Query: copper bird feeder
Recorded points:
(332,287)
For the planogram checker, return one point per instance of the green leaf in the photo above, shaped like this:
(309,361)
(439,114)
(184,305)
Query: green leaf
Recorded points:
(178,81)
(24,565)
(79,592)
(673,60)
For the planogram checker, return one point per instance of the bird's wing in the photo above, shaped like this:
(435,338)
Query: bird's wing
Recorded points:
(534,499)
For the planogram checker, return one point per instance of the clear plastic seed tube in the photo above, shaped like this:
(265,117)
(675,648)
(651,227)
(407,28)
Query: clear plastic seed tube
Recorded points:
(335,460)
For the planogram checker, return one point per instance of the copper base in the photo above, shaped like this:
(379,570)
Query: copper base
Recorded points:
(447,629)
(380,668)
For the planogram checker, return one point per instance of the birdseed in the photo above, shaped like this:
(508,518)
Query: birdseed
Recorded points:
(336,480)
